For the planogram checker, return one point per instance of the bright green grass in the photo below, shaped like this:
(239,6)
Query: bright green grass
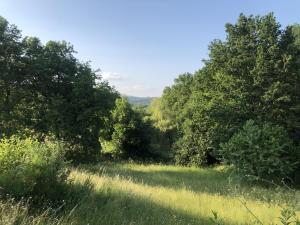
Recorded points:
(158,194)
(161,194)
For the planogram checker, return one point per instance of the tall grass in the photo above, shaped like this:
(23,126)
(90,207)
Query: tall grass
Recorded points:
(18,213)
(159,194)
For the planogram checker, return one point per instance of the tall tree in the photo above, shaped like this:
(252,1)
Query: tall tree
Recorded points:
(11,77)
(47,90)
(130,134)
(253,74)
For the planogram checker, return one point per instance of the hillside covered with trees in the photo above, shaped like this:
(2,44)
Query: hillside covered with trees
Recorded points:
(142,101)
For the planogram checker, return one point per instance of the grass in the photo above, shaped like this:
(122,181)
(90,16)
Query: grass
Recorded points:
(139,194)
(18,213)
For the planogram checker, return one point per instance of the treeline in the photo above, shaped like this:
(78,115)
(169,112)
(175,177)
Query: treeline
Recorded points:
(46,91)
(56,110)
(243,106)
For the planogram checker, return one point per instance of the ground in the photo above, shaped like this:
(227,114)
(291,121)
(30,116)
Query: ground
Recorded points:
(166,194)
(129,193)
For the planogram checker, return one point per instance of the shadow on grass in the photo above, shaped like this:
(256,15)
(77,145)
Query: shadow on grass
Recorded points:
(209,180)
(116,207)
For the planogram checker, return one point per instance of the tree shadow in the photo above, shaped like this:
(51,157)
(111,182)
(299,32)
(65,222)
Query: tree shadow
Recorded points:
(210,180)
(118,207)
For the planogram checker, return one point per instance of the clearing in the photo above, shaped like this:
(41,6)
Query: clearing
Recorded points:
(125,193)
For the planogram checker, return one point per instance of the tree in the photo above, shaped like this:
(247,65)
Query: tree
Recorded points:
(48,91)
(175,99)
(11,51)
(262,151)
(253,74)
(130,135)
(163,128)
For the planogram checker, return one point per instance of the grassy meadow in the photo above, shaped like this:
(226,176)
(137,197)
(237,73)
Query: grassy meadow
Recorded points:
(125,193)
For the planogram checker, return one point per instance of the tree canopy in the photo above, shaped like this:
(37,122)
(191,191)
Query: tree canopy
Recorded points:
(47,90)
(253,74)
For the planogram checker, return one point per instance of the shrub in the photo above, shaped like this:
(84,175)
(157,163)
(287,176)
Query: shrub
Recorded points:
(189,153)
(29,168)
(261,151)
(131,133)
(192,149)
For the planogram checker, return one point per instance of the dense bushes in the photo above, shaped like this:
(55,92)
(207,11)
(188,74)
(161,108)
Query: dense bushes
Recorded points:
(29,168)
(130,134)
(261,151)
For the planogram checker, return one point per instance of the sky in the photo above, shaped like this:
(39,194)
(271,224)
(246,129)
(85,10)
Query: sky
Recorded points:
(140,46)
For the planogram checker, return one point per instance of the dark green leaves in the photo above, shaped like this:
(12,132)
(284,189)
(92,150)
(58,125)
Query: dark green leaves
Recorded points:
(253,74)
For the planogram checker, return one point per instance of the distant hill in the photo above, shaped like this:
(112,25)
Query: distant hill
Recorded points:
(143,101)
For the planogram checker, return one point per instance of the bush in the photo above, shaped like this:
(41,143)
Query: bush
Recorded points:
(192,149)
(262,152)
(131,133)
(29,168)
(189,153)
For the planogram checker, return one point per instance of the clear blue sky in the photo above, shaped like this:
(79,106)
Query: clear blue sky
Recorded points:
(139,45)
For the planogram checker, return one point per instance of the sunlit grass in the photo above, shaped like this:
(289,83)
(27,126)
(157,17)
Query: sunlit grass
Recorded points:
(18,213)
(157,194)
(124,194)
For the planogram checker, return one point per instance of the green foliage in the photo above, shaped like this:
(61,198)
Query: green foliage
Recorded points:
(296,34)
(253,74)
(163,131)
(174,100)
(10,50)
(157,115)
(29,168)
(189,151)
(47,90)
(130,134)
(289,217)
(14,212)
(261,152)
